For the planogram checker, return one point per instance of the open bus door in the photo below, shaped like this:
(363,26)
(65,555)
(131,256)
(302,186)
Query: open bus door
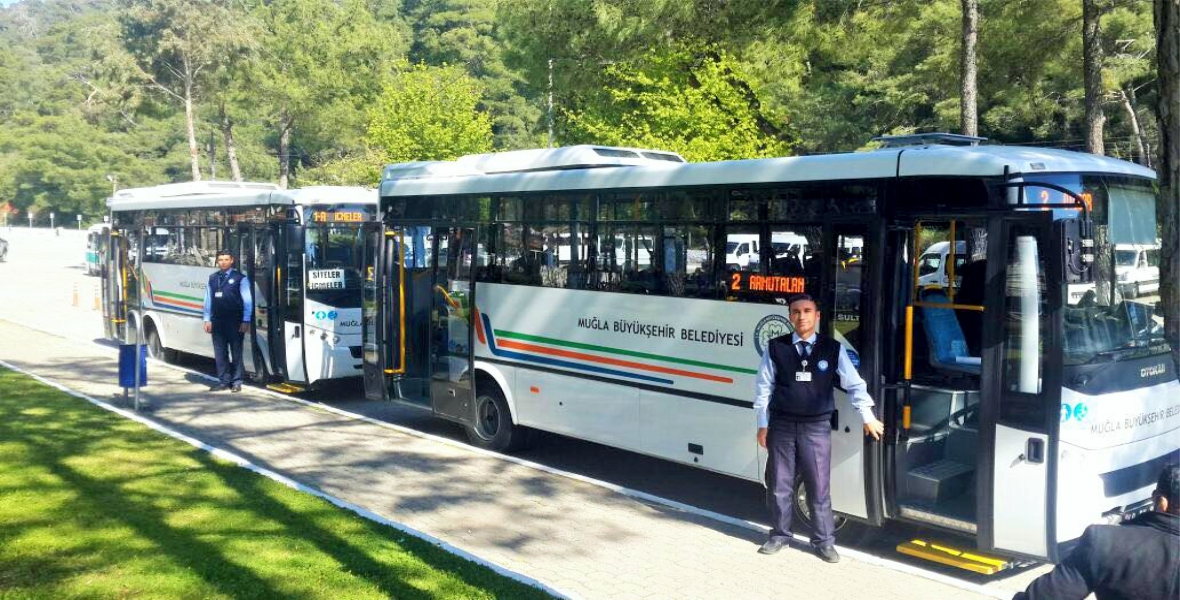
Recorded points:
(252,260)
(452,388)
(272,256)
(114,283)
(382,349)
(1021,387)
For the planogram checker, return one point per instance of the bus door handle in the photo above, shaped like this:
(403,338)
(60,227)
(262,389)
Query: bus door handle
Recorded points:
(1034,451)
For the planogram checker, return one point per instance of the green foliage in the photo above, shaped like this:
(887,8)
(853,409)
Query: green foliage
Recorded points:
(429,113)
(692,101)
(465,33)
(710,79)
(362,168)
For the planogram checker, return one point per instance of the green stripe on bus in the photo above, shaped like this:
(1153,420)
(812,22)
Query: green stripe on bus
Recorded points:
(177,296)
(556,342)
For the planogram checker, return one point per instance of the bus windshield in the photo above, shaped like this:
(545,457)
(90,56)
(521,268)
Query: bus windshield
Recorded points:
(1118,316)
(334,253)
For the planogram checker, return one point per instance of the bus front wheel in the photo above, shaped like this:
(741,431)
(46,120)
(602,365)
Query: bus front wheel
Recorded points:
(156,348)
(492,427)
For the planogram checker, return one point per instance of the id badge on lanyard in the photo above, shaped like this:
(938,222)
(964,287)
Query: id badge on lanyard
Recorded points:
(804,375)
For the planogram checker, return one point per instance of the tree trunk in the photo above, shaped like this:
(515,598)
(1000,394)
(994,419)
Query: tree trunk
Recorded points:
(1092,75)
(193,152)
(968,109)
(1141,143)
(231,151)
(1167,50)
(284,148)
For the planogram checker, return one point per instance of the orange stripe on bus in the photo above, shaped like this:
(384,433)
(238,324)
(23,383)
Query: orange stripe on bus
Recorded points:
(609,361)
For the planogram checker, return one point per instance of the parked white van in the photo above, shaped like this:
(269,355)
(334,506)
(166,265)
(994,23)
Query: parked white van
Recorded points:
(742,250)
(932,264)
(1137,269)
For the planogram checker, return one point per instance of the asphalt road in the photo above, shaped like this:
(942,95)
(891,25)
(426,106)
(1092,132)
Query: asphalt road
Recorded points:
(44,272)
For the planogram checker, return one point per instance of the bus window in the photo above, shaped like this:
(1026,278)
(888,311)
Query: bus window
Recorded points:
(849,272)
(334,254)
(626,261)
(1024,331)
(687,261)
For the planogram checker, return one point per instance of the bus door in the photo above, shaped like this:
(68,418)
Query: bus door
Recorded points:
(851,453)
(380,364)
(935,368)
(277,330)
(114,285)
(452,312)
(1022,388)
(251,261)
(285,327)
(399,268)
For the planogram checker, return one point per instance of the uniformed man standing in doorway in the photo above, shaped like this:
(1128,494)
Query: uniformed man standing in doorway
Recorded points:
(229,306)
(794,401)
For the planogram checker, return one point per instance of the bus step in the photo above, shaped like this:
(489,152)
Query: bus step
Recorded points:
(946,555)
(285,388)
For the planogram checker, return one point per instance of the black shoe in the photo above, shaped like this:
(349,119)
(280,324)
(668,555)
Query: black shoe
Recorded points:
(237,388)
(217,387)
(828,554)
(772,546)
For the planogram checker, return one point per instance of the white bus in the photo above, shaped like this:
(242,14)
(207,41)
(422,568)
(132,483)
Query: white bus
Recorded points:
(96,239)
(1015,415)
(301,249)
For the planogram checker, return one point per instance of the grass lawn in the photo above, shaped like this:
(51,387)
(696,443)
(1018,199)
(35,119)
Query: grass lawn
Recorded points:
(95,506)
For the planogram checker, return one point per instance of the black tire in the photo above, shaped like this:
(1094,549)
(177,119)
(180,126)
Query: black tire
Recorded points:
(156,349)
(492,427)
(1137,290)
(803,511)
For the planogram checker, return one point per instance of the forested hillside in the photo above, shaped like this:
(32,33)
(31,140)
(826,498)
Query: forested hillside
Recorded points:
(102,93)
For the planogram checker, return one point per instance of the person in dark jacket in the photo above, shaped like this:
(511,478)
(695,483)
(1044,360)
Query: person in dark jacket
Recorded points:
(229,306)
(1139,559)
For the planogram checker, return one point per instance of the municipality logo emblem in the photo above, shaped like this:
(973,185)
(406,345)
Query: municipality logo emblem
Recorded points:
(768,328)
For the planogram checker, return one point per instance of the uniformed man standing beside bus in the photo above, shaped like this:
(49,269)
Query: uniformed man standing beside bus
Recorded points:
(794,401)
(229,306)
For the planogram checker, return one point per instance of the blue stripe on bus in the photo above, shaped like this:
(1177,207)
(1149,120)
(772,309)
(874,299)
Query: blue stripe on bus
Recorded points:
(544,360)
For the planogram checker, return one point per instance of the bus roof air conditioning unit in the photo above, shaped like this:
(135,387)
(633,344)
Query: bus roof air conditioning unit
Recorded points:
(927,139)
(568,157)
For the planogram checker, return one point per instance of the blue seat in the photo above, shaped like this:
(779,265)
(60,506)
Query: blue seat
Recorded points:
(948,347)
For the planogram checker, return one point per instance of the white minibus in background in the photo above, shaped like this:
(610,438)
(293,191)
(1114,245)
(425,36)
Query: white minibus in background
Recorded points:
(96,240)
(301,249)
(1016,414)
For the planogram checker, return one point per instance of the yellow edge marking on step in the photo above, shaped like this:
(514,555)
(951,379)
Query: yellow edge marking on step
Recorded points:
(951,557)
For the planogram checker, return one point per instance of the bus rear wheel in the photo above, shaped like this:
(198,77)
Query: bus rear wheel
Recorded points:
(803,509)
(492,427)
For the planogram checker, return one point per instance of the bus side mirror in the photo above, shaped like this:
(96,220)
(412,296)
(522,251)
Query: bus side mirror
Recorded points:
(1077,249)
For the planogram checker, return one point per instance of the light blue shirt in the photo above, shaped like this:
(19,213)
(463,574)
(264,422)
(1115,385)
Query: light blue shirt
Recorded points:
(850,381)
(247,298)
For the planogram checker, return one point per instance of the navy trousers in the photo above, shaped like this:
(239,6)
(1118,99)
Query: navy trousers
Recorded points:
(804,448)
(227,351)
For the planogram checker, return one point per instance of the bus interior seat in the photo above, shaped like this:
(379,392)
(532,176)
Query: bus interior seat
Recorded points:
(948,346)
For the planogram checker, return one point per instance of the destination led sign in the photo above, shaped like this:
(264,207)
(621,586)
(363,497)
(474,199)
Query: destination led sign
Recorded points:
(343,216)
(773,284)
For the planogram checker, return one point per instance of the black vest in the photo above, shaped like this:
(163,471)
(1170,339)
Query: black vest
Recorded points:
(229,306)
(803,401)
